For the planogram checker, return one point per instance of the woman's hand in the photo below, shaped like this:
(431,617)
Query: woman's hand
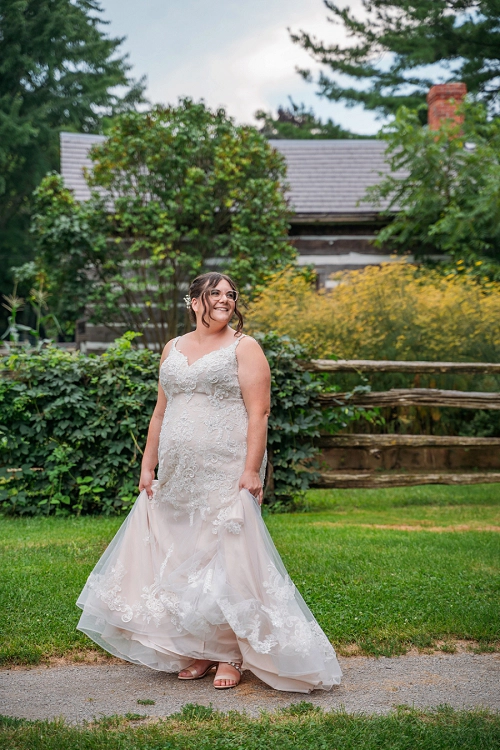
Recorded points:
(146,481)
(250,480)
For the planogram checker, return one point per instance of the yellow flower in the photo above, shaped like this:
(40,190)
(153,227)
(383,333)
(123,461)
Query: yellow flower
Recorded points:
(391,311)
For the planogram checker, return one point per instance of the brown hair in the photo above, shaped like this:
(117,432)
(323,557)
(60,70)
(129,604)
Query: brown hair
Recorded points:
(200,288)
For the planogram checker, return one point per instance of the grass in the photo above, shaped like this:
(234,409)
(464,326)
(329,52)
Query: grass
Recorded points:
(382,570)
(386,589)
(45,562)
(405,498)
(299,726)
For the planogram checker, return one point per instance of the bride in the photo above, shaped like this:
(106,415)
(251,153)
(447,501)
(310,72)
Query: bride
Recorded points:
(192,580)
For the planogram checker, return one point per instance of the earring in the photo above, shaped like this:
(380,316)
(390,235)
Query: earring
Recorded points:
(187,300)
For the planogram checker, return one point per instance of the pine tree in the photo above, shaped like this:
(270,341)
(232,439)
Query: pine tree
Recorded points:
(297,122)
(58,71)
(398,42)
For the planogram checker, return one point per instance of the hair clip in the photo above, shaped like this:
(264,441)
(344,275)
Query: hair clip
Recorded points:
(187,300)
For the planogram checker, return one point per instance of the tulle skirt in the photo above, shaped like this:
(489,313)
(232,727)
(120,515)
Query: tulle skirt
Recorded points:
(168,590)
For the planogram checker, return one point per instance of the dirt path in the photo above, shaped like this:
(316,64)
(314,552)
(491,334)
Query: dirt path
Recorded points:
(83,692)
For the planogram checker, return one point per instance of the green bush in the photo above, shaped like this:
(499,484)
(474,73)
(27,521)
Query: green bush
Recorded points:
(295,420)
(72,427)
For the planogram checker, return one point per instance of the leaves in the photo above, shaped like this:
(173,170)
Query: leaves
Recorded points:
(396,45)
(72,427)
(295,420)
(390,311)
(59,69)
(176,191)
(395,311)
(442,193)
(297,122)
(67,421)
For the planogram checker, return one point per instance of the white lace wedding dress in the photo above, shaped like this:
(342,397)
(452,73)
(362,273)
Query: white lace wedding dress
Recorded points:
(193,573)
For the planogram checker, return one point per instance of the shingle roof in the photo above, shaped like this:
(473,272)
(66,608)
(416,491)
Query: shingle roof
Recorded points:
(324,176)
(332,176)
(75,148)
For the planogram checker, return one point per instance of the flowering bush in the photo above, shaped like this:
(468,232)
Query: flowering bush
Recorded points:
(391,311)
(394,311)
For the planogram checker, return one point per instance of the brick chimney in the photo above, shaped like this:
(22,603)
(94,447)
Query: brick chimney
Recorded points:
(443,100)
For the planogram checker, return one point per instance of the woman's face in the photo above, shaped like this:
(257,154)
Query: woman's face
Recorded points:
(220,308)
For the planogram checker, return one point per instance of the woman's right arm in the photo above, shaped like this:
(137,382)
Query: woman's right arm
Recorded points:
(150,455)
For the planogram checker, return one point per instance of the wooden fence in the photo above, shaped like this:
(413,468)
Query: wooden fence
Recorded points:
(374,446)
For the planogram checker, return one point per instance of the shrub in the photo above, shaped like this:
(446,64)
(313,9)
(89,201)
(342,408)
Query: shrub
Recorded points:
(72,427)
(295,420)
(394,311)
(391,311)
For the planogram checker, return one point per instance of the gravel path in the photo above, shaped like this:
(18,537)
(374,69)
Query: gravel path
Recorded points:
(370,685)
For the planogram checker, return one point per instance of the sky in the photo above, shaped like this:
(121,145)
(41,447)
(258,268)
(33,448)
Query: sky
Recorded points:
(235,53)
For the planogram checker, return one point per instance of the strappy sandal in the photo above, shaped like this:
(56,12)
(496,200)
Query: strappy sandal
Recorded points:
(228,677)
(195,675)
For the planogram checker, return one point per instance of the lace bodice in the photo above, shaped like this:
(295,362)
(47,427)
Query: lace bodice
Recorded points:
(202,447)
(214,375)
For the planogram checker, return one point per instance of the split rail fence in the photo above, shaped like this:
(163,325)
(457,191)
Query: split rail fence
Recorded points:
(396,397)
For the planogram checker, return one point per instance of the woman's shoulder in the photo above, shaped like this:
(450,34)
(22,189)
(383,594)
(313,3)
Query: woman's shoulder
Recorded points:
(166,349)
(250,351)
(246,342)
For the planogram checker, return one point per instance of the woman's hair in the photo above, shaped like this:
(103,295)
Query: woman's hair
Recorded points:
(200,288)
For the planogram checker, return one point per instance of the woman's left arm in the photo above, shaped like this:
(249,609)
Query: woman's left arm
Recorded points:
(255,383)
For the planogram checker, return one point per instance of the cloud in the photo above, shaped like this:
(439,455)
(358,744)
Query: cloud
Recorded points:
(231,53)
(256,71)
(242,76)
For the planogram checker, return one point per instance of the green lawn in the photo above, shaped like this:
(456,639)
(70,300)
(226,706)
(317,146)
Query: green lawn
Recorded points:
(300,726)
(383,570)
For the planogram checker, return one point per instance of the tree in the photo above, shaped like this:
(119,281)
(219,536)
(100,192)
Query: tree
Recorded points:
(176,191)
(444,186)
(295,121)
(58,70)
(397,44)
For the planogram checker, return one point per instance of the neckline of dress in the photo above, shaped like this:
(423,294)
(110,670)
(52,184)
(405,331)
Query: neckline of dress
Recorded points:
(220,349)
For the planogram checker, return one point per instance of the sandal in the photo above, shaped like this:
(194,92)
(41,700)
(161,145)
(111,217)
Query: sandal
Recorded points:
(195,674)
(219,677)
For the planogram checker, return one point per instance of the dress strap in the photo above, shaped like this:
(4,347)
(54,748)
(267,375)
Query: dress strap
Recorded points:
(241,336)
(174,346)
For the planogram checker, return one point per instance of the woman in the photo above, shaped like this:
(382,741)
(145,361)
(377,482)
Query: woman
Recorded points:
(192,580)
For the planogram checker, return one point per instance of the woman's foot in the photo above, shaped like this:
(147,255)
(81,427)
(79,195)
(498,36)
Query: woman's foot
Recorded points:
(228,675)
(199,668)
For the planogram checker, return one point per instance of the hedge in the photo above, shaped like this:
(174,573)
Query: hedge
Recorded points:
(72,427)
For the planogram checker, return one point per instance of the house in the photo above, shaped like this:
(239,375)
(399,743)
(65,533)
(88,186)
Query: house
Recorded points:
(332,227)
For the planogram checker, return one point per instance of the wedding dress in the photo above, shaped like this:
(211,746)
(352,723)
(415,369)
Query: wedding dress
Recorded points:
(192,572)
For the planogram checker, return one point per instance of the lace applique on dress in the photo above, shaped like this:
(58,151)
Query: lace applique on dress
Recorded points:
(202,447)
(278,586)
(233,527)
(165,561)
(108,588)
